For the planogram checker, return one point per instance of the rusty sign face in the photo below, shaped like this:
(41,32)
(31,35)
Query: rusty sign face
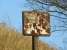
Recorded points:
(36,23)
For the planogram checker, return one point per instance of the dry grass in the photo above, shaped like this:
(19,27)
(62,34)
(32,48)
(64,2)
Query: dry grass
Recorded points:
(12,40)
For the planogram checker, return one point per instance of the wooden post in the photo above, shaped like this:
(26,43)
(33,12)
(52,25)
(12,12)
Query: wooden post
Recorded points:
(35,43)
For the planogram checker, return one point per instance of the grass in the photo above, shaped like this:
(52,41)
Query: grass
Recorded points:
(10,39)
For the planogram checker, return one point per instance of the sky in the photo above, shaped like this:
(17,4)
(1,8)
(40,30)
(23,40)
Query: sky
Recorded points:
(11,13)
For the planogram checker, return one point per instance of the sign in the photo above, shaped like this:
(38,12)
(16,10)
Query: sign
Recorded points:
(36,23)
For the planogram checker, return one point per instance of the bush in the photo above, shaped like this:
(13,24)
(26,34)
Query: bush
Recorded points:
(10,39)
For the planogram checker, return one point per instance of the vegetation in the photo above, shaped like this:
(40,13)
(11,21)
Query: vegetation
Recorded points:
(10,39)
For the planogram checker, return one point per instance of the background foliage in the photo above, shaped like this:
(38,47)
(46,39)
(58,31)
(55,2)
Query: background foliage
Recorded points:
(10,39)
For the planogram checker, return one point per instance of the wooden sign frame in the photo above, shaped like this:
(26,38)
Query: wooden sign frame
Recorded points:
(35,17)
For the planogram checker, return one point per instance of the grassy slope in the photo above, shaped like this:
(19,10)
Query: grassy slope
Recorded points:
(12,40)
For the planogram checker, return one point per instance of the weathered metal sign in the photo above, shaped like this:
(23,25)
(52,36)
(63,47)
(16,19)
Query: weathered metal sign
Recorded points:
(36,23)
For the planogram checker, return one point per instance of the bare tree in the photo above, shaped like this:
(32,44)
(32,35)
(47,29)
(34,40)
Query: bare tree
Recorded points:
(60,7)
(58,3)
(57,10)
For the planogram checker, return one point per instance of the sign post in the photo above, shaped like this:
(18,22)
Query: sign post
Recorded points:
(36,23)
(33,43)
